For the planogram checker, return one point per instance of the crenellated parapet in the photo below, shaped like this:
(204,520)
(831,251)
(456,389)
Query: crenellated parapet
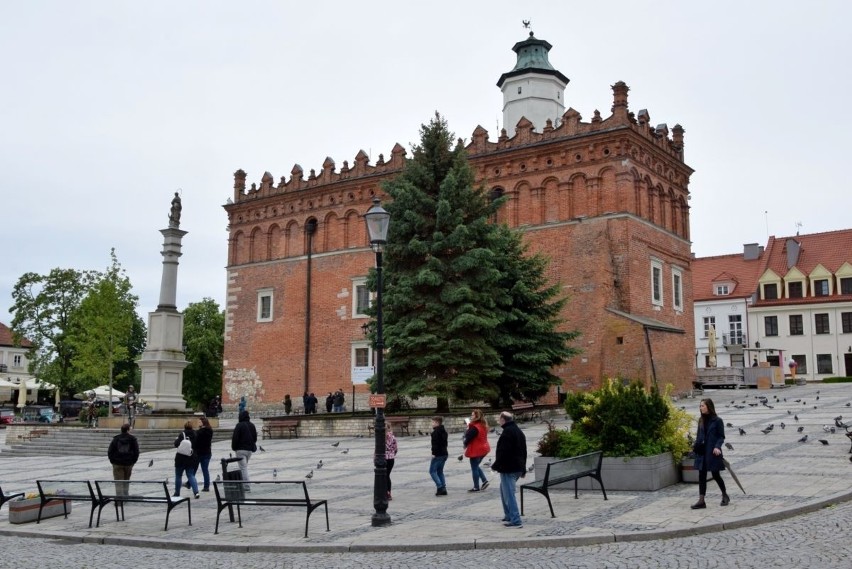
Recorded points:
(328,175)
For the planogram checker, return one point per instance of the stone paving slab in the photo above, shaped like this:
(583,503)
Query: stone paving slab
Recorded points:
(781,476)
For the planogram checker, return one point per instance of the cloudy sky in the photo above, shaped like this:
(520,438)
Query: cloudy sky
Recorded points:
(108,107)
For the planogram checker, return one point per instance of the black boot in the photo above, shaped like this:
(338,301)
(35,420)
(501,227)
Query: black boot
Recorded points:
(699,504)
(725,500)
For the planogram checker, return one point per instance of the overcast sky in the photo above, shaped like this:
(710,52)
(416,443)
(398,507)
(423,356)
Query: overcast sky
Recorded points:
(108,107)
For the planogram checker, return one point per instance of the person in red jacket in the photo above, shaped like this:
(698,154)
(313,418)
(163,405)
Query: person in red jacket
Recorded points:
(476,447)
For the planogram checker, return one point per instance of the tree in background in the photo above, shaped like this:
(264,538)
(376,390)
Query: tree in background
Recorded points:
(441,285)
(527,338)
(43,311)
(204,338)
(103,331)
(467,313)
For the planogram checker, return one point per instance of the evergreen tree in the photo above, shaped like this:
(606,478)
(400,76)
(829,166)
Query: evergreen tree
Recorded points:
(204,338)
(441,287)
(527,338)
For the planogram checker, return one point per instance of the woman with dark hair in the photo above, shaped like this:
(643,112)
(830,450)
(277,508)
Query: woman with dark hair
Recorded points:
(708,451)
(203,446)
(186,463)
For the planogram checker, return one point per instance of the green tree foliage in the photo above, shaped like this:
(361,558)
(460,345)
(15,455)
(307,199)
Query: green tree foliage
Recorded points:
(103,330)
(440,276)
(527,337)
(204,338)
(43,311)
(467,313)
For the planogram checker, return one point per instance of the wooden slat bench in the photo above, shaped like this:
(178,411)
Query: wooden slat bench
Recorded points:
(66,491)
(526,411)
(274,428)
(565,470)
(286,493)
(34,434)
(120,492)
(398,422)
(6,497)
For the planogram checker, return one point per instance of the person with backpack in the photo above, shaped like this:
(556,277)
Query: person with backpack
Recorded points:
(186,459)
(123,453)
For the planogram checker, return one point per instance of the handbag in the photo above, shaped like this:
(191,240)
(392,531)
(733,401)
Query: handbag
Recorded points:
(185,446)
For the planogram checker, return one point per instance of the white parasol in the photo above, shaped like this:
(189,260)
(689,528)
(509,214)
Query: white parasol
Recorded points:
(22,395)
(101,393)
(711,346)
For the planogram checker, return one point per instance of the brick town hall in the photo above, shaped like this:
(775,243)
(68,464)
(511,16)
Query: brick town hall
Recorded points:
(604,199)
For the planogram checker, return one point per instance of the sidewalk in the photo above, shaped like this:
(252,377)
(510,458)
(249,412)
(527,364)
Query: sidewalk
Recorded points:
(782,477)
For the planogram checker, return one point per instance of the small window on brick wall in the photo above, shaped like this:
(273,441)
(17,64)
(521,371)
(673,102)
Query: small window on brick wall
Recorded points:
(656,282)
(264,305)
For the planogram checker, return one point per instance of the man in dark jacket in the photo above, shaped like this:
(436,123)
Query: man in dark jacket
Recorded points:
(439,455)
(123,453)
(244,442)
(510,462)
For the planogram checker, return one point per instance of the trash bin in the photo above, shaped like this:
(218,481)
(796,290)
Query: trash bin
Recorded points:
(232,491)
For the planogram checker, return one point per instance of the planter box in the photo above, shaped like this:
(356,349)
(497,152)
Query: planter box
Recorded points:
(637,474)
(23,511)
(688,472)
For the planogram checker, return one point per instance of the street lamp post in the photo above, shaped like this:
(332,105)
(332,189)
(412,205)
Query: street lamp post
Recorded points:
(378,221)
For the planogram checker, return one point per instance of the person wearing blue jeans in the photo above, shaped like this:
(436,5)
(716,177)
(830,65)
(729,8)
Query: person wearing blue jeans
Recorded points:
(203,442)
(186,462)
(510,462)
(439,455)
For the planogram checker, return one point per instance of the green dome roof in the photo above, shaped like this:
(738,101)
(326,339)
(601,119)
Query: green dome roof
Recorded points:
(532,56)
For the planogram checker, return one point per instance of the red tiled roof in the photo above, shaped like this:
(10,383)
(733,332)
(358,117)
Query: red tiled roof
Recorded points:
(7,340)
(830,249)
(722,269)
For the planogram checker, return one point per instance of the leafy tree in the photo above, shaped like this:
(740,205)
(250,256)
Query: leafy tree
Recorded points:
(103,329)
(527,339)
(204,337)
(441,289)
(43,312)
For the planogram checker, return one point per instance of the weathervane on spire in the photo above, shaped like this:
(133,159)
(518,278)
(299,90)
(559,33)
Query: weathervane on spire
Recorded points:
(526,24)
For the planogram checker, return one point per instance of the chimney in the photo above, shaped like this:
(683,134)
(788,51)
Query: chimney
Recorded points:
(751,251)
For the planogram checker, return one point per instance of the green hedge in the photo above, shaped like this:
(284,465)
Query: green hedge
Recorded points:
(837,380)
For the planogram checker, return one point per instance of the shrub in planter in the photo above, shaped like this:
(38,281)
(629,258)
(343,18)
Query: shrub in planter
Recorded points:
(624,420)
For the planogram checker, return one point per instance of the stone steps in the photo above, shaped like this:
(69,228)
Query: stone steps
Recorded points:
(92,442)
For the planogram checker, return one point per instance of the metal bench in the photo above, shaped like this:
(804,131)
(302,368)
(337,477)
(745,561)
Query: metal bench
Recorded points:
(285,493)
(399,422)
(277,426)
(66,491)
(526,411)
(34,434)
(566,470)
(6,497)
(121,492)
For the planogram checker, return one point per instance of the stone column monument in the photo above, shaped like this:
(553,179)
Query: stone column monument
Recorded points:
(163,360)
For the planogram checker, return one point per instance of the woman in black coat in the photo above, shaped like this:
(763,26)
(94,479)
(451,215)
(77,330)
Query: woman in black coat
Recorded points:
(186,463)
(708,451)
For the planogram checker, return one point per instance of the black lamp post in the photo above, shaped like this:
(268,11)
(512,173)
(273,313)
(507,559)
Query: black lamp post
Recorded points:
(378,221)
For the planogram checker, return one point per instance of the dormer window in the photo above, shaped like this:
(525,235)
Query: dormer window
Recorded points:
(795,290)
(821,287)
(722,290)
(770,291)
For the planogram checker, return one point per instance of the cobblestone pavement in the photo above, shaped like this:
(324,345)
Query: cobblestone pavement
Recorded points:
(812,540)
(784,479)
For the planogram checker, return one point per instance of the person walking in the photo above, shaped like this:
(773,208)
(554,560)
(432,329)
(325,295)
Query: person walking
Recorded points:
(708,452)
(123,452)
(186,459)
(243,404)
(476,448)
(203,446)
(510,462)
(439,455)
(390,456)
(244,442)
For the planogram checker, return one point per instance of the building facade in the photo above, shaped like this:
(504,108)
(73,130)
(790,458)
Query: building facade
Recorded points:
(606,200)
(797,293)
(14,364)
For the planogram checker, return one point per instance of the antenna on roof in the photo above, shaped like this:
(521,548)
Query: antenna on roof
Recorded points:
(798,227)
(766,216)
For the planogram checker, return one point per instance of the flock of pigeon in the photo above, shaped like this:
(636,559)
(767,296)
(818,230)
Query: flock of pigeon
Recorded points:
(795,407)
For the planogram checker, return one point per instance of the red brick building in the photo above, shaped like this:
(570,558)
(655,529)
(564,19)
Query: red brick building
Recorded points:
(606,200)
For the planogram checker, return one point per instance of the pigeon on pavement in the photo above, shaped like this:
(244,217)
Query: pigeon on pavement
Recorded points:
(150,463)
(804,439)
(729,446)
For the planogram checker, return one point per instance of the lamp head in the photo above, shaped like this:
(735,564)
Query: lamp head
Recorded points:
(378,220)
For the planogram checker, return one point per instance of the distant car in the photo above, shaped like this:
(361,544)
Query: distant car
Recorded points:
(39,413)
(70,408)
(7,416)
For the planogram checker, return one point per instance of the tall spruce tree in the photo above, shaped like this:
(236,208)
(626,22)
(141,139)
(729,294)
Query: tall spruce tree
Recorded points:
(468,314)
(528,339)
(441,282)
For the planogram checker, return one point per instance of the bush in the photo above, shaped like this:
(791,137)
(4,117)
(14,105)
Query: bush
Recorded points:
(837,380)
(621,420)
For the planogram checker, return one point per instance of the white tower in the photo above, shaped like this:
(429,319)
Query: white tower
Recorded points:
(163,360)
(533,89)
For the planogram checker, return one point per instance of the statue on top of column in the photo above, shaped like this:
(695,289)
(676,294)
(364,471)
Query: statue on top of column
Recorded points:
(174,214)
